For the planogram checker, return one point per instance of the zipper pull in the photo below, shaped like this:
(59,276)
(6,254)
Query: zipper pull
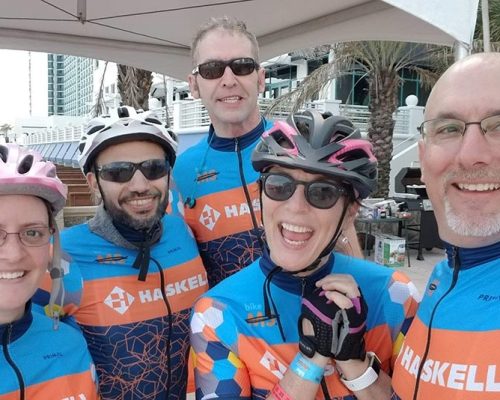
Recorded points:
(236,144)
(303,283)
(9,333)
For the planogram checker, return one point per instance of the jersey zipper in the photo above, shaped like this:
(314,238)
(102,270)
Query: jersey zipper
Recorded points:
(237,149)
(5,345)
(170,326)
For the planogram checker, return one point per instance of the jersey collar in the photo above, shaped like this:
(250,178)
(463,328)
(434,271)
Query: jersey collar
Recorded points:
(228,144)
(19,327)
(470,258)
(292,283)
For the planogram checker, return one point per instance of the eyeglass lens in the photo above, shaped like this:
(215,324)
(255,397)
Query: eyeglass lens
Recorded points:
(31,237)
(320,194)
(444,129)
(123,171)
(215,69)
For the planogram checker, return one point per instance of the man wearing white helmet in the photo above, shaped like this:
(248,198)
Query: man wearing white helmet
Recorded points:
(40,358)
(140,269)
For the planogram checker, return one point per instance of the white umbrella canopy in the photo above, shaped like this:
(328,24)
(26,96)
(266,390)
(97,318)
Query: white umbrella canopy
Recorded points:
(156,34)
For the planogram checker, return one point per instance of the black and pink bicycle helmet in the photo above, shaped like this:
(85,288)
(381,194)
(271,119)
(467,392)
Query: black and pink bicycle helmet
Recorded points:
(320,144)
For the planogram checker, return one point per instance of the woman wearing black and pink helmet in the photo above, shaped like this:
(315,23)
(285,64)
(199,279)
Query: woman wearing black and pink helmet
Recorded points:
(41,358)
(305,321)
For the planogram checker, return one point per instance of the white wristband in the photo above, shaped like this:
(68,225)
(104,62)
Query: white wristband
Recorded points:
(367,378)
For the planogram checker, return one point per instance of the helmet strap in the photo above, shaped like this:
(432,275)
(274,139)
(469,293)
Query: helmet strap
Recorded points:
(56,274)
(330,246)
(101,192)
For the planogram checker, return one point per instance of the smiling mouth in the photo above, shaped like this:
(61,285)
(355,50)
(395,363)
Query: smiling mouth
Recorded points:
(295,235)
(11,275)
(478,187)
(141,202)
(231,99)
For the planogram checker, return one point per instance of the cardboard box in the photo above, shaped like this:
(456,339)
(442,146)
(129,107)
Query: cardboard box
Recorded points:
(390,250)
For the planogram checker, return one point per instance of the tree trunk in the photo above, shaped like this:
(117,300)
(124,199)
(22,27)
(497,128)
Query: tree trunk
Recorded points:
(134,85)
(382,88)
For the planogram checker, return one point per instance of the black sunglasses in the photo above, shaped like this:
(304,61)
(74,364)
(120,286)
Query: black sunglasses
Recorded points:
(215,69)
(123,171)
(320,194)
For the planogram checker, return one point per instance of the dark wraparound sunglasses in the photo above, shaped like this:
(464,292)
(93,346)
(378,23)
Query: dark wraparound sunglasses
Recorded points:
(320,194)
(215,69)
(123,171)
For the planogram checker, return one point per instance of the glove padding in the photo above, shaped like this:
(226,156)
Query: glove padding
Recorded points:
(338,333)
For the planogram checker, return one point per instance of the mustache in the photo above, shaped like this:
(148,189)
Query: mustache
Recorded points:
(485,174)
(139,195)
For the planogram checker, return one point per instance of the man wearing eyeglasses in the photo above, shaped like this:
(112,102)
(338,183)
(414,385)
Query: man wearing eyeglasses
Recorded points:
(451,350)
(135,271)
(215,177)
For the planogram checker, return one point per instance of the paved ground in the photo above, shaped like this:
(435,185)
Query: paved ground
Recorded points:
(420,270)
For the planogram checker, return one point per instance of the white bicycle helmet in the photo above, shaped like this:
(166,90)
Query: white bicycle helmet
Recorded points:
(103,132)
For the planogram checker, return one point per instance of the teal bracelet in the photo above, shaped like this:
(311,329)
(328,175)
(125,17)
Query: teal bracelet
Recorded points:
(306,369)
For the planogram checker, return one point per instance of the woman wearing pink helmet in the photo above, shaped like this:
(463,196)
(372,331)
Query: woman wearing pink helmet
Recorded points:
(40,359)
(305,322)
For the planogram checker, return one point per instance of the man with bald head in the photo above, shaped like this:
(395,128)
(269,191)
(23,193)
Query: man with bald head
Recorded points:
(451,350)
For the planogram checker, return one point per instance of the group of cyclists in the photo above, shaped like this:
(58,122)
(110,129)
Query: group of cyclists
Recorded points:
(242,250)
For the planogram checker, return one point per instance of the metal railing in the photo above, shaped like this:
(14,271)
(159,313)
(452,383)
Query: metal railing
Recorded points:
(188,114)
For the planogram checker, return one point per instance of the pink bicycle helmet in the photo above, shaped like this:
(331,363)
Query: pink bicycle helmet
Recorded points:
(23,171)
(320,144)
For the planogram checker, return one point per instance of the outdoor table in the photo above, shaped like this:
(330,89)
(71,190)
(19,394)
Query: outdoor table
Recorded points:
(370,222)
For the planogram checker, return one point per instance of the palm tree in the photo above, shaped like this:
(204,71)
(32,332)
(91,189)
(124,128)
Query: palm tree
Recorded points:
(494,14)
(381,64)
(4,131)
(134,85)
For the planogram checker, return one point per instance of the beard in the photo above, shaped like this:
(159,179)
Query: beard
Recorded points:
(121,216)
(478,225)
(476,222)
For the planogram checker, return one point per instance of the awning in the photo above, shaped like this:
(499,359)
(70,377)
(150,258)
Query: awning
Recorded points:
(62,152)
(156,35)
(71,156)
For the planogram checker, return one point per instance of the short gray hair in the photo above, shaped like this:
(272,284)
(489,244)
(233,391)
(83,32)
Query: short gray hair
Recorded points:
(229,24)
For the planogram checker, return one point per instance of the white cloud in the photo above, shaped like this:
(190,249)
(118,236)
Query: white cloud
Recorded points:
(15,82)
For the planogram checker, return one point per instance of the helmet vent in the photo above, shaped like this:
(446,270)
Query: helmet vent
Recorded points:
(4,152)
(153,120)
(94,129)
(303,128)
(82,144)
(352,155)
(282,140)
(51,173)
(26,164)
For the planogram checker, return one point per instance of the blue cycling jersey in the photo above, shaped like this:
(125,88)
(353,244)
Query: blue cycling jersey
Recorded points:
(39,362)
(137,331)
(240,357)
(218,183)
(463,353)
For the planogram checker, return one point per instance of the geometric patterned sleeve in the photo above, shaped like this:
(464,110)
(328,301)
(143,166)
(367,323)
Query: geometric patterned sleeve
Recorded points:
(219,373)
(403,295)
